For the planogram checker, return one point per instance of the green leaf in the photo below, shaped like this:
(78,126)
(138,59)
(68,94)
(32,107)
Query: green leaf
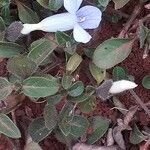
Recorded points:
(8,49)
(40,50)
(21,66)
(119,73)
(43,3)
(55,4)
(89,52)
(5,88)
(120,3)
(74,125)
(26,14)
(4,2)
(78,99)
(65,110)
(37,130)
(143,33)
(5,13)
(146,82)
(2,29)
(2,24)
(136,135)
(59,135)
(66,81)
(90,90)
(76,89)
(97,73)
(100,126)
(50,116)
(62,38)
(63,118)
(40,87)
(13,79)
(104,3)
(111,52)
(74,62)
(70,47)
(87,106)
(8,128)
(53,100)
(79,125)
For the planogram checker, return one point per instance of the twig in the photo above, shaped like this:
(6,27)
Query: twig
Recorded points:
(136,11)
(139,101)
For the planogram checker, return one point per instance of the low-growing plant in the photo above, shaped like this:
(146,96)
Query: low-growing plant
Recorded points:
(31,64)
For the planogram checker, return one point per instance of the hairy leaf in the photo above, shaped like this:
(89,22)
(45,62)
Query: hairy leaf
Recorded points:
(8,128)
(8,49)
(76,89)
(146,82)
(40,87)
(21,66)
(37,130)
(50,116)
(100,126)
(26,14)
(111,52)
(5,88)
(40,50)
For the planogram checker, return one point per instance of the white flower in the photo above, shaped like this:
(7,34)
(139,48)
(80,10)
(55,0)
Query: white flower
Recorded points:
(87,17)
(122,85)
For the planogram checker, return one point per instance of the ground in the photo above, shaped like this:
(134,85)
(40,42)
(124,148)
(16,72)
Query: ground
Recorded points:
(135,65)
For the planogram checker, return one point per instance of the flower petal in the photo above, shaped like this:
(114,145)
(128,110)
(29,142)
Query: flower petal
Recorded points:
(90,15)
(72,5)
(122,85)
(80,35)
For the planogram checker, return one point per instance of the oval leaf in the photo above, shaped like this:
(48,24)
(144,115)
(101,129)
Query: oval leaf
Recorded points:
(119,73)
(55,4)
(100,126)
(37,130)
(66,81)
(87,106)
(5,88)
(97,73)
(2,24)
(74,62)
(62,37)
(21,66)
(50,116)
(74,125)
(26,14)
(111,52)
(40,50)
(40,87)
(8,49)
(8,128)
(76,89)
(146,82)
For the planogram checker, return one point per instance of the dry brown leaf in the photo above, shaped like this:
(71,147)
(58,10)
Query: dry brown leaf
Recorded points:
(118,137)
(128,117)
(145,146)
(81,146)
(110,139)
(147,6)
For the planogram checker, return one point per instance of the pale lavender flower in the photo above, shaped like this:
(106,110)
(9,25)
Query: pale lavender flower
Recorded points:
(87,17)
